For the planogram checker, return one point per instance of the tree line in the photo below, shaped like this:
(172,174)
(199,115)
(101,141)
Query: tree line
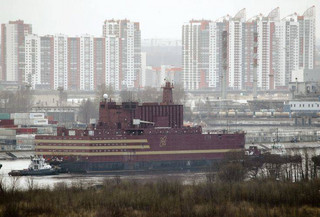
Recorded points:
(17,101)
(292,167)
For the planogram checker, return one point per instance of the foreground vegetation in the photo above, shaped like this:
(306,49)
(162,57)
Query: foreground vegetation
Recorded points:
(267,186)
(163,198)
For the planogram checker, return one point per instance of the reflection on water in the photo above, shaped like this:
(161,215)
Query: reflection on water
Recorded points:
(89,179)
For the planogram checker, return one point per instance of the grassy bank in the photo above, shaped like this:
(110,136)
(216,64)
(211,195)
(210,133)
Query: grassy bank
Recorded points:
(163,198)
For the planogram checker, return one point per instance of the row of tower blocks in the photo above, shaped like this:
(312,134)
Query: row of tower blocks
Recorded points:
(73,63)
(263,50)
(234,51)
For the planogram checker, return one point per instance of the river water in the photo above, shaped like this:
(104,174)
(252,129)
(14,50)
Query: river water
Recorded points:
(26,182)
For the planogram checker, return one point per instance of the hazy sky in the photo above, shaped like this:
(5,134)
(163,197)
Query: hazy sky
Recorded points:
(158,19)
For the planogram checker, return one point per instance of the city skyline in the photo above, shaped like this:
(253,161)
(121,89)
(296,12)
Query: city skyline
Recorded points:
(157,20)
(231,47)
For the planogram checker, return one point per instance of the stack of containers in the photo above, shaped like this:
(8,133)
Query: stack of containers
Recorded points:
(29,119)
(28,124)
(38,119)
(41,123)
(7,134)
(21,119)
(25,142)
(17,131)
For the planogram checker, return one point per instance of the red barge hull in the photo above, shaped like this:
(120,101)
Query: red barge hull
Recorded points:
(163,149)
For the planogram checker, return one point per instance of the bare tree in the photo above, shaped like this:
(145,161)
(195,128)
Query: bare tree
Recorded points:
(87,110)
(14,183)
(232,172)
(63,96)
(179,95)
(316,165)
(104,89)
(18,101)
(30,183)
(2,184)
(149,94)
(127,95)
(6,97)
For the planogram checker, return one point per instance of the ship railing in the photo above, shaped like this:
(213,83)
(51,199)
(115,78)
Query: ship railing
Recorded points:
(224,132)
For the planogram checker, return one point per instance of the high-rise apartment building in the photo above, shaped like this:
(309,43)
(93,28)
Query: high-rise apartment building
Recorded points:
(60,72)
(32,61)
(287,58)
(46,62)
(307,38)
(73,63)
(99,66)
(86,63)
(112,61)
(226,51)
(236,50)
(265,49)
(195,54)
(250,61)
(218,44)
(13,50)
(143,80)
(129,37)
(39,61)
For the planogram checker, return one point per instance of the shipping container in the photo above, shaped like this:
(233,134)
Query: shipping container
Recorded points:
(2,137)
(4,116)
(40,121)
(36,116)
(20,115)
(6,122)
(45,130)
(7,132)
(9,126)
(23,121)
(5,147)
(52,122)
(25,147)
(26,131)
(8,141)
(25,136)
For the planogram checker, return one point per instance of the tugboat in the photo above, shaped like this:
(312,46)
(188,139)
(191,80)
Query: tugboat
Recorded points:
(37,167)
